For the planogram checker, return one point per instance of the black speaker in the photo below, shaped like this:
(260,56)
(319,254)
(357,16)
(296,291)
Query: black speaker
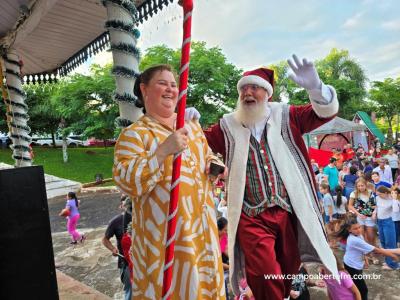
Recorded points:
(27,268)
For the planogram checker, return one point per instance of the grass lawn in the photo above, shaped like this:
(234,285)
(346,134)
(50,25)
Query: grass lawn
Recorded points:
(82,166)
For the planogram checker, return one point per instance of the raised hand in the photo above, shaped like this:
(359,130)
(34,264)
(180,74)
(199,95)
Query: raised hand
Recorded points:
(305,74)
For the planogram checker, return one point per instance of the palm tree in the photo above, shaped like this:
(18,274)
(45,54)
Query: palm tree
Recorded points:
(347,76)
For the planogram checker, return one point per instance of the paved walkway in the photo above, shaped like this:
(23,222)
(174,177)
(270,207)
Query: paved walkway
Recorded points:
(71,289)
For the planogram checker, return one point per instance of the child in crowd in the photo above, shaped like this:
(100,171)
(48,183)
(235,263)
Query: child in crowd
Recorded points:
(396,213)
(73,218)
(356,248)
(222,224)
(300,283)
(350,181)
(329,207)
(362,204)
(346,289)
(340,203)
(385,207)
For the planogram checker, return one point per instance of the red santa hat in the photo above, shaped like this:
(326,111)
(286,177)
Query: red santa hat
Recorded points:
(262,77)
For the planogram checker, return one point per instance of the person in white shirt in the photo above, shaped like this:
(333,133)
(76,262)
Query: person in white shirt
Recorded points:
(384,171)
(385,207)
(396,213)
(393,160)
(223,208)
(340,203)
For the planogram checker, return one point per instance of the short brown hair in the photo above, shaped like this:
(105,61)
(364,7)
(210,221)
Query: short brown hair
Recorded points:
(383,189)
(145,78)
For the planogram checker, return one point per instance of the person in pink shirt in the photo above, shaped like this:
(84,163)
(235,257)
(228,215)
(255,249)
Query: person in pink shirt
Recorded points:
(346,289)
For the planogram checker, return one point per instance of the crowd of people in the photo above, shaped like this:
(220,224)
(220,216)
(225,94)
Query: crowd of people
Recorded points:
(359,196)
(359,193)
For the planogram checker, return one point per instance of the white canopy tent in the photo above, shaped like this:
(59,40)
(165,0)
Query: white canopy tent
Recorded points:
(337,125)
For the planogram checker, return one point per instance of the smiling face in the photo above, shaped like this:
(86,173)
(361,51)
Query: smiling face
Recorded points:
(160,94)
(252,105)
(252,94)
(361,187)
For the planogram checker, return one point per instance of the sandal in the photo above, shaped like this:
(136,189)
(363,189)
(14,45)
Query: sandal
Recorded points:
(388,268)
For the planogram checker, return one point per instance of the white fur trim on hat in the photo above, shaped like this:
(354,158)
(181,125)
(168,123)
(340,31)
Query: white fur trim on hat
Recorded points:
(254,79)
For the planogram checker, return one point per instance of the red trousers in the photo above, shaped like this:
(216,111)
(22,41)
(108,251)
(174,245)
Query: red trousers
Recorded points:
(269,244)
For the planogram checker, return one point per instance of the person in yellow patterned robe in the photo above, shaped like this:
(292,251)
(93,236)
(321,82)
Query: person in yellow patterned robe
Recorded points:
(143,170)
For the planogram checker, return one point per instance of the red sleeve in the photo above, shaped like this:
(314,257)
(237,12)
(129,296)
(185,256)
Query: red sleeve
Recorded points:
(306,119)
(215,139)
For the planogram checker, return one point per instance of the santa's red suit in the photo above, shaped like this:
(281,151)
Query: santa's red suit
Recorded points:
(272,236)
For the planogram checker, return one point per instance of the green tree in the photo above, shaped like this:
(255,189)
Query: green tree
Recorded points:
(212,79)
(337,69)
(44,117)
(347,77)
(386,95)
(86,104)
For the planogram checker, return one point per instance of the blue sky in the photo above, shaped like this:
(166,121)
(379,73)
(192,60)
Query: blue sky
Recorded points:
(252,33)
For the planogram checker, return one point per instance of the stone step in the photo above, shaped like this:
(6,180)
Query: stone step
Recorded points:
(55,186)
(71,289)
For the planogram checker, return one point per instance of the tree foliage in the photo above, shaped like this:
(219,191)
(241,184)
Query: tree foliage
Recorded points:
(386,95)
(337,69)
(212,79)
(347,77)
(43,113)
(85,103)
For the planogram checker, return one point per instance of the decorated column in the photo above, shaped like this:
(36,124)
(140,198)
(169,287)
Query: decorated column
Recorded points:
(122,17)
(17,112)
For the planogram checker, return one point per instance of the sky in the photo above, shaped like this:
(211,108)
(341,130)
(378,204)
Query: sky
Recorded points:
(253,33)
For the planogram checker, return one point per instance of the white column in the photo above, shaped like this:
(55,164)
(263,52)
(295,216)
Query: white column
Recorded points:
(18,111)
(123,36)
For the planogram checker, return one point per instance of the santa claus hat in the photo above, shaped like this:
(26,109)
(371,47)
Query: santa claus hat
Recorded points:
(262,77)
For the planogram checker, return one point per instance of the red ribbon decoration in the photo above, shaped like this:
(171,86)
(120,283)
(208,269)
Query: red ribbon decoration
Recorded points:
(180,122)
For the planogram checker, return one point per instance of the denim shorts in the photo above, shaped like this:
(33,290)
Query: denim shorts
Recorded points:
(366,222)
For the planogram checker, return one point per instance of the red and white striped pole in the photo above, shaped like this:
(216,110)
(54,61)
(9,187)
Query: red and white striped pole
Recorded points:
(180,122)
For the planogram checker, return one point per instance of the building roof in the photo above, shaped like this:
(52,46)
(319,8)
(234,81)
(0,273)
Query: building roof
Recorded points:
(338,125)
(56,36)
(370,125)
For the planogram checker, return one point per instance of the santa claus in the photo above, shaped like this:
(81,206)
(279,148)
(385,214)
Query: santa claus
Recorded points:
(274,221)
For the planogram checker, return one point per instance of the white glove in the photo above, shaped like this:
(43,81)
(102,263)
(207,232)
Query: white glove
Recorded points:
(191,113)
(305,74)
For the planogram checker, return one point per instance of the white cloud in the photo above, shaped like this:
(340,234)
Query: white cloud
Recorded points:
(387,73)
(354,22)
(391,25)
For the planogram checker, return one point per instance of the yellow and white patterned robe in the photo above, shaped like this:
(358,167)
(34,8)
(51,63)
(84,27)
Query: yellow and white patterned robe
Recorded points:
(197,272)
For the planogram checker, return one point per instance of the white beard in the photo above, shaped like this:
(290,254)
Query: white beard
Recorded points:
(251,114)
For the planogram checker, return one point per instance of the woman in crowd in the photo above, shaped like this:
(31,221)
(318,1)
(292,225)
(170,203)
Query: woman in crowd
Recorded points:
(385,206)
(143,169)
(362,204)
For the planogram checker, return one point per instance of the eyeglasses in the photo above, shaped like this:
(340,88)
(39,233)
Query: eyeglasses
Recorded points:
(252,87)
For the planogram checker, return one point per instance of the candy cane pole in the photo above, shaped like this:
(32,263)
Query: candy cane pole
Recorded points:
(180,122)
